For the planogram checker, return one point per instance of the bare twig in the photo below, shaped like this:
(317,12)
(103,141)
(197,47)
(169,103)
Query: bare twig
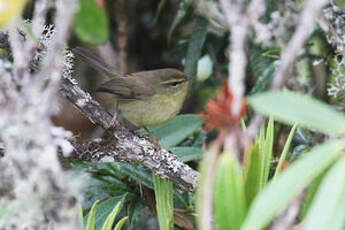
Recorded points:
(289,54)
(239,19)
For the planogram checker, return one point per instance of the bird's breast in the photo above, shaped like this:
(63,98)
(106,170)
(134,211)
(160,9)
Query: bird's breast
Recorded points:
(153,111)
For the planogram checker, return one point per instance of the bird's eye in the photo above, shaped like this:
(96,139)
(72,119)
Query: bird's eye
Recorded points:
(175,83)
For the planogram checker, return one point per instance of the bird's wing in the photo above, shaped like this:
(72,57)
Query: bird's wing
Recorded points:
(96,62)
(128,88)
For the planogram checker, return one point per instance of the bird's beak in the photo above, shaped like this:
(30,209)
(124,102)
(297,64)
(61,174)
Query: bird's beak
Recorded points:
(190,77)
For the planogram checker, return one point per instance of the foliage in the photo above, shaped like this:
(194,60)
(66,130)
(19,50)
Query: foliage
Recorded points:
(92,222)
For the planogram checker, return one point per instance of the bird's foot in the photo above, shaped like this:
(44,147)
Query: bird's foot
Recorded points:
(112,123)
(153,139)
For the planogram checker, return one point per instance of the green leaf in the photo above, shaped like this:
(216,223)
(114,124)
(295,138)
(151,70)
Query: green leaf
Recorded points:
(158,11)
(253,172)
(176,130)
(279,192)
(195,45)
(164,202)
(181,13)
(134,210)
(328,201)
(229,200)
(80,215)
(186,154)
(91,25)
(103,210)
(120,223)
(137,172)
(260,67)
(91,220)
(267,151)
(285,151)
(294,108)
(309,196)
(108,223)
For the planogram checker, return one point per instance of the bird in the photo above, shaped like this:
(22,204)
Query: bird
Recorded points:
(145,98)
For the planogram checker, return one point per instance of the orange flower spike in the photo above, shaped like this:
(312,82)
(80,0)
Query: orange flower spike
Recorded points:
(218,110)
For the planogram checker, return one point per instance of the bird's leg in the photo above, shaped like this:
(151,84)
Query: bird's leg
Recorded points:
(153,139)
(114,119)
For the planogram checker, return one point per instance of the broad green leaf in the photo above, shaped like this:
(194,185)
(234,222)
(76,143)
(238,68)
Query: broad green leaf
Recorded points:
(91,219)
(260,67)
(229,197)
(120,223)
(176,130)
(285,151)
(293,108)
(279,192)
(186,154)
(195,45)
(134,171)
(91,25)
(328,201)
(164,202)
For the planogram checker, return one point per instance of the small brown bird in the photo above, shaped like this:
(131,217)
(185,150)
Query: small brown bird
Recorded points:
(146,98)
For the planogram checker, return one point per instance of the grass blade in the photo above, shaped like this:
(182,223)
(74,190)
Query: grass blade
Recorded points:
(285,151)
(164,202)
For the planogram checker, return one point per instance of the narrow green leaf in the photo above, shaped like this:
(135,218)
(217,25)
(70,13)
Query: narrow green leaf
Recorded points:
(186,154)
(105,208)
(164,202)
(285,151)
(229,199)
(253,172)
(267,150)
(80,215)
(91,220)
(176,130)
(279,192)
(111,217)
(158,11)
(91,25)
(328,200)
(181,13)
(195,45)
(294,108)
(120,223)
